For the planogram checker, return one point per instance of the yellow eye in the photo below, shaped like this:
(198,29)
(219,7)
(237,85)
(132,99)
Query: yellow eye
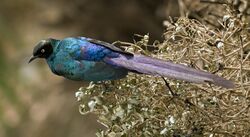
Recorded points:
(42,50)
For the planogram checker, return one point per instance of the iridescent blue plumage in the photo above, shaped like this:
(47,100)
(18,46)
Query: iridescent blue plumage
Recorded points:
(78,59)
(93,60)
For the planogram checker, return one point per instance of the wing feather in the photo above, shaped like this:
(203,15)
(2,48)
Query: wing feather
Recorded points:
(107,45)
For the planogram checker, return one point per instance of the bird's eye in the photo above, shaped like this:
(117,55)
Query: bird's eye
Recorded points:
(42,50)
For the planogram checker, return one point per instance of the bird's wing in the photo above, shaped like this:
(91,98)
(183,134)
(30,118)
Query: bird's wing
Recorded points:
(107,45)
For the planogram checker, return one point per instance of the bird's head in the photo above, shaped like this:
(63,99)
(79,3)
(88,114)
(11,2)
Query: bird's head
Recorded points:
(43,49)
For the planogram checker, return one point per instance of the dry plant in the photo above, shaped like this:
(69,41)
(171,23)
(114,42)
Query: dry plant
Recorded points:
(142,105)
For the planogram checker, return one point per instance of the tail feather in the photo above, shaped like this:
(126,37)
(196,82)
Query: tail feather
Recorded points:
(152,66)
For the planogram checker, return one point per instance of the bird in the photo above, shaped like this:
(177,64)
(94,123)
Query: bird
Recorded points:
(87,59)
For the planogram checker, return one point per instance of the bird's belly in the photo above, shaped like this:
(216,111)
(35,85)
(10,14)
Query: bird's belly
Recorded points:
(90,71)
(102,71)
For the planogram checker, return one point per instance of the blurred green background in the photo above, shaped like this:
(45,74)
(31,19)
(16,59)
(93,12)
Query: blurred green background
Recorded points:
(33,101)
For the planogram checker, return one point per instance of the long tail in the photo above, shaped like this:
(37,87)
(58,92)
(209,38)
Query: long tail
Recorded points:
(153,66)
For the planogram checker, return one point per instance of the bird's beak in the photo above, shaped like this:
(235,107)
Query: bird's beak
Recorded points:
(32,58)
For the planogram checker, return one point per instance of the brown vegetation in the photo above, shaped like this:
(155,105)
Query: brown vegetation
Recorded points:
(216,39)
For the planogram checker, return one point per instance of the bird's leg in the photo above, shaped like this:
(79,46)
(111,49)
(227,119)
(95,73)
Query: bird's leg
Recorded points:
(107,85)
(104,86)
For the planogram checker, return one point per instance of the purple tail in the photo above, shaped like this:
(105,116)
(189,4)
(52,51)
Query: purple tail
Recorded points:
(153,66)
